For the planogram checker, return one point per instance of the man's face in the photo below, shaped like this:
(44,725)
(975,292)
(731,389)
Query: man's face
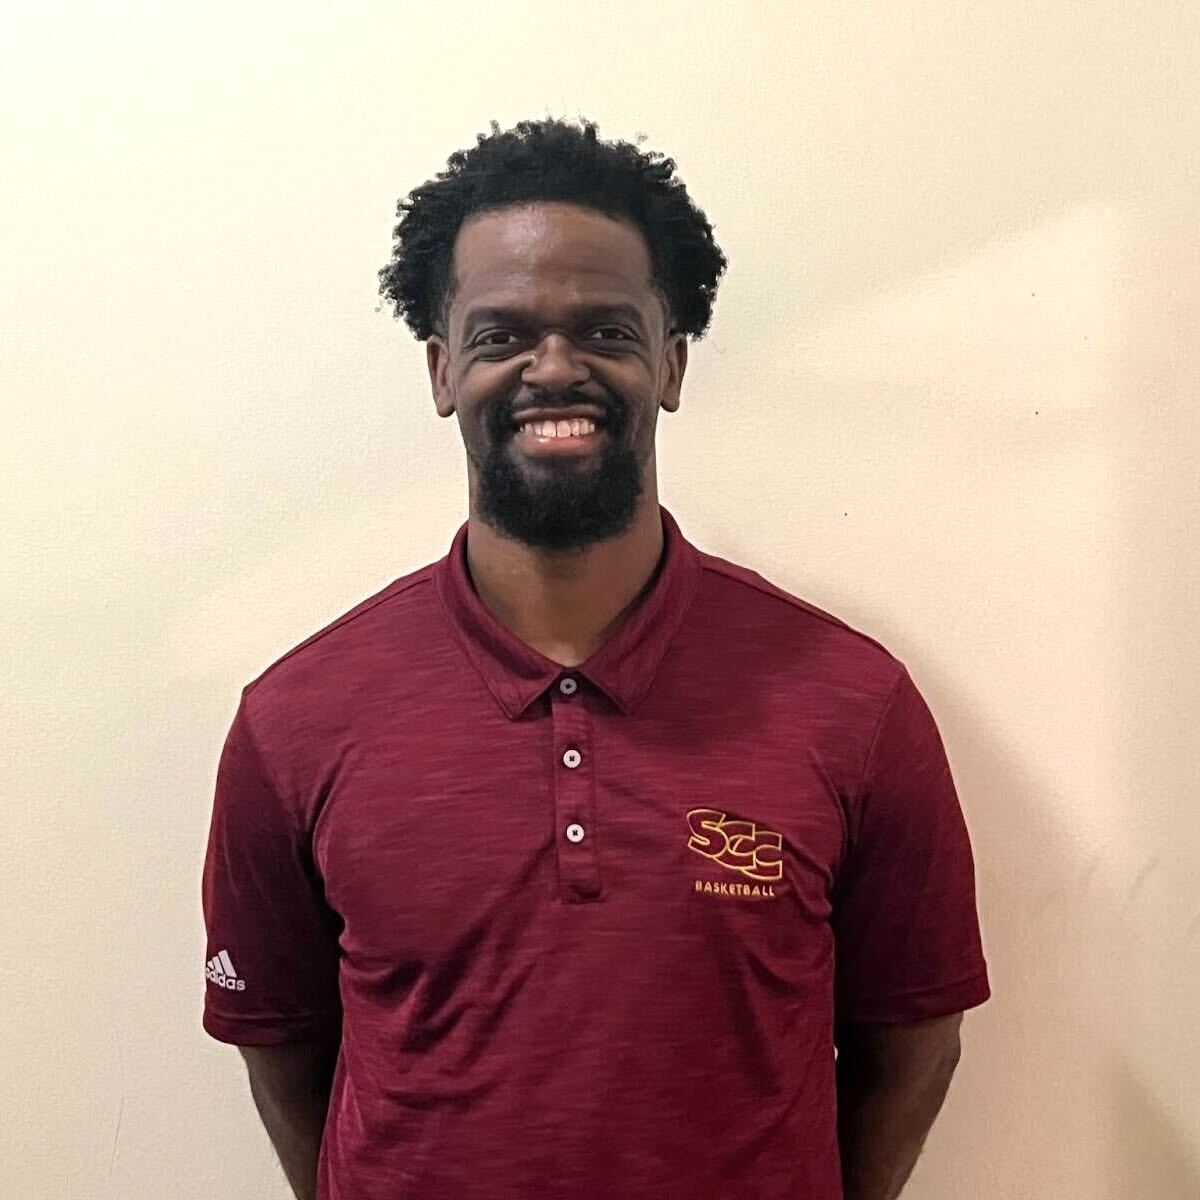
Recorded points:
(553,317)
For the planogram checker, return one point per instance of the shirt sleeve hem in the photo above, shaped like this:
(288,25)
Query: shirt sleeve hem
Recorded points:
(937,1001)
(271,1030)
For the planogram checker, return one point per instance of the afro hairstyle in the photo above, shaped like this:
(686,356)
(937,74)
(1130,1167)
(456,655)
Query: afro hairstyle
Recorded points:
(552,160)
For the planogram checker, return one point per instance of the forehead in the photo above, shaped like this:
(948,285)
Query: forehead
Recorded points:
(541,255)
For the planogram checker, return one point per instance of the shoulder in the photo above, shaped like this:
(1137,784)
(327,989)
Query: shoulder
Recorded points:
(735,598)
(336,657)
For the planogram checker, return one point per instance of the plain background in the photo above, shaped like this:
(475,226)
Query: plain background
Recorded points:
(949,394)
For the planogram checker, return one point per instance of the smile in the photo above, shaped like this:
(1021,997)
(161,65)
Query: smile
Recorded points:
(579,435)
(571,427)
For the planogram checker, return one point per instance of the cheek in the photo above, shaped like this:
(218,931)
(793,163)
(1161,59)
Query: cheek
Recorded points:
(476,412)
(485,399)
(645,417)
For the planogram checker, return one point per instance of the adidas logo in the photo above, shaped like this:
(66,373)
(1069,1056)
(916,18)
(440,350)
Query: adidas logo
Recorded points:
(220,971)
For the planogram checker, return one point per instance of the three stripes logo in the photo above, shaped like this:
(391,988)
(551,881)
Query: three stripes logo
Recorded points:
(220,970)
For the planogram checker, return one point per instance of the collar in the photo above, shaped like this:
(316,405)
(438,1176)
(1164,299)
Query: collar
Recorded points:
(623,667)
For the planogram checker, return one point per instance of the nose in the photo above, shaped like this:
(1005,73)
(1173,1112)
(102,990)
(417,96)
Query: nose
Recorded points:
(552,366)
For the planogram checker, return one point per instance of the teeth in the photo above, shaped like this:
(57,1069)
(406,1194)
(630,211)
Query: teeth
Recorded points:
(575,427)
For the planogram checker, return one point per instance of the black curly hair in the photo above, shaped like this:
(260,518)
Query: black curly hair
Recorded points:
(553,160)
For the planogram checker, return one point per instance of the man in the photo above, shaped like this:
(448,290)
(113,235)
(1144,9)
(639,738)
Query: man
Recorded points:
(560,867)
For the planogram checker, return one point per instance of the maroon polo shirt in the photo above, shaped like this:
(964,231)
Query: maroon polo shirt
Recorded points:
(584,932)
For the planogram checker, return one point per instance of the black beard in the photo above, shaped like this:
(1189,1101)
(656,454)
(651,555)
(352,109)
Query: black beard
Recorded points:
(559,509)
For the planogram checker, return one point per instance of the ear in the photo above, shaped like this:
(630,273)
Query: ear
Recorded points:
(437,359)
(675,354)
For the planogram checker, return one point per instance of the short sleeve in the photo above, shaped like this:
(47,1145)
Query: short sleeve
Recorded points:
(271,974)
(906,929)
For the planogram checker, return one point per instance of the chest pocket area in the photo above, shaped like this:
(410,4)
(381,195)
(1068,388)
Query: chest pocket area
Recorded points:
(747,850)
(756,899)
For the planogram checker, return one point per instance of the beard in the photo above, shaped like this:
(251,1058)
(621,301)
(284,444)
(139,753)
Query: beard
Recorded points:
(559,506)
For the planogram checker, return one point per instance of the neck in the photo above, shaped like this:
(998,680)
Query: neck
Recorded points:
(566,605)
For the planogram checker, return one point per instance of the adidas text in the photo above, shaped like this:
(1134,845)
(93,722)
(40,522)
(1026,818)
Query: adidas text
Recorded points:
(234,985)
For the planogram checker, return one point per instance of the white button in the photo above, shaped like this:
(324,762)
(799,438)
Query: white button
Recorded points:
(572,758)
(575,833)
(567,686)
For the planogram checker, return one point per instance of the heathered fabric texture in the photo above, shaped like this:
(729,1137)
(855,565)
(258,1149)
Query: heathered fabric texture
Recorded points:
(611,979)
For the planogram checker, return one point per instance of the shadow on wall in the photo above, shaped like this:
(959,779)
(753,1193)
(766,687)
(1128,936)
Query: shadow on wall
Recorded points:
(1079,1078)
(1155,1136)
(1151,1156)
(1022,1121)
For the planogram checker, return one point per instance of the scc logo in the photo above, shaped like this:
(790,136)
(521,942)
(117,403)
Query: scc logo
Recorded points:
(739,845)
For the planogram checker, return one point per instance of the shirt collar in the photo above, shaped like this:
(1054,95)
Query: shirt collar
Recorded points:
(623,667)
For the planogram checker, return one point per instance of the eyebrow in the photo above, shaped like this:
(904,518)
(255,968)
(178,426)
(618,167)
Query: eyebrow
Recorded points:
(617,309)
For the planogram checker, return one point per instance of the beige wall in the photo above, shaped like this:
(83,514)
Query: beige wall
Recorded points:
(950,394)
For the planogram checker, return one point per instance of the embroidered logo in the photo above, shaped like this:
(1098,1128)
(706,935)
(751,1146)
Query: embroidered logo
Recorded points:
(219,970)
(738,845)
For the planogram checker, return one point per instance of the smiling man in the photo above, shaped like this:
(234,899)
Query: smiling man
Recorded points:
(581,863)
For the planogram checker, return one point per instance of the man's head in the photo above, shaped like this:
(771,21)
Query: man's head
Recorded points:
(555,277)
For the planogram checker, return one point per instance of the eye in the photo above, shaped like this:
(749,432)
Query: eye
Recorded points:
(485,339)
(623,335)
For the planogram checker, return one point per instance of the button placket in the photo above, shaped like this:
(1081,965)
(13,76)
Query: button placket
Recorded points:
(574,790)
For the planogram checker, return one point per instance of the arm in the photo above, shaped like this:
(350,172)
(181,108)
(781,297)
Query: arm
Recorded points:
(891,1081)
(290,1084)
(274,935)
